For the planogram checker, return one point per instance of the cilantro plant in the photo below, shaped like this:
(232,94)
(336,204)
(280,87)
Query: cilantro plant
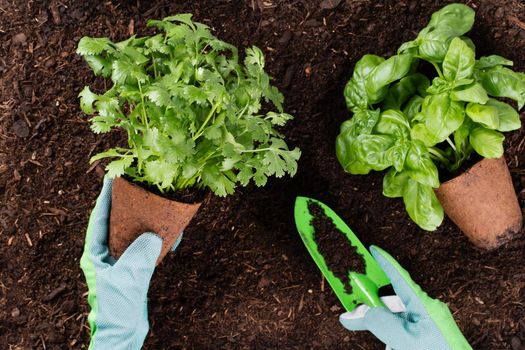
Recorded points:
(408,122)
(191,109)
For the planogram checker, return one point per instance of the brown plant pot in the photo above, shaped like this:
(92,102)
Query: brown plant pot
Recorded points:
(135,211)
(483,203)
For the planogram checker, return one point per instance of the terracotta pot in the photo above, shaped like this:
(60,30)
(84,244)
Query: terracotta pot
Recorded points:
(135,211)
(483,203)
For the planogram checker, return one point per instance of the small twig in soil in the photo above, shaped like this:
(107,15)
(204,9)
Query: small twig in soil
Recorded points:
(93,166)
(517,22)
(520,145)
(29,242)
(301,303)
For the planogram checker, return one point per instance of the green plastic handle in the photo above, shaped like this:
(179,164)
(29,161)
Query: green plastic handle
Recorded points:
(365,287)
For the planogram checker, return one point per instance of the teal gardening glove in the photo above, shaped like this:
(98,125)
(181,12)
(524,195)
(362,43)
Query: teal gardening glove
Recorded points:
(427,323)
(117,288)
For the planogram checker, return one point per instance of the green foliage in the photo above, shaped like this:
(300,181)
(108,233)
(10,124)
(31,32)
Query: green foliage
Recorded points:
(191,109)
(411,124)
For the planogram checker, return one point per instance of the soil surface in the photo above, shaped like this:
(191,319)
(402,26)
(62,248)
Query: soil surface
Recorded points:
(241,278)
(188,195)
(340,255)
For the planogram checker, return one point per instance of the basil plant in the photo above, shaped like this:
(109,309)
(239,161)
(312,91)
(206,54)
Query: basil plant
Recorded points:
(410,123)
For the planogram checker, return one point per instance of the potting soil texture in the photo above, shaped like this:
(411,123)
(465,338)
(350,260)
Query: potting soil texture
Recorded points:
(241,278)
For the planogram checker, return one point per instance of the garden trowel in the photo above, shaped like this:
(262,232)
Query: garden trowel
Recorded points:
(364,286)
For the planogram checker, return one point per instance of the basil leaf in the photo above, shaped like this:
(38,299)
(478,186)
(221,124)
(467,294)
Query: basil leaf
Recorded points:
(451,21)
(401,91)
(461,135)
(434,45)
(470,93)
(365,66)
(394,68)
(458,17)
(503,82)
(421,133)
(362,122)
(469,42)
(492,61)
(394,183)
(355,96)
(509,119)
(483,114)
(347,157)
(439,86)
(442,116)
(488,143)
(394,123)
(396,154)
(420,167)
(459,61)
(413,106)
(371,149)
(422,205)
(409,47)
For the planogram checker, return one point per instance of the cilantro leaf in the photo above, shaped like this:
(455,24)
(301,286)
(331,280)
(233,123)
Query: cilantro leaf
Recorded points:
(93,46)
(279,119)
(118,167)
(124,70)
(190,109)
(86,100)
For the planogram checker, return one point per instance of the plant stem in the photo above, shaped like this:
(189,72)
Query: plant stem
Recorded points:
(438,70)
(144,117)
(185,182)
(255,150)
(449,141)
(438,155)
(208,117)
(154,68)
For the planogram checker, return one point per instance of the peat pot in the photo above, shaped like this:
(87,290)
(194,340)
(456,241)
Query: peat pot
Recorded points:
(483,203)
(135,211)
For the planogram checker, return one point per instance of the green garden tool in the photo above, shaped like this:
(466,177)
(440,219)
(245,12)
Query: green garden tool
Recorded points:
(365,284)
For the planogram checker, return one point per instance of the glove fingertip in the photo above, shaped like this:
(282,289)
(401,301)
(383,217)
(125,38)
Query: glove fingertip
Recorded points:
(144,249)
(377,252)
(354,321)
(151,241)
(384,260)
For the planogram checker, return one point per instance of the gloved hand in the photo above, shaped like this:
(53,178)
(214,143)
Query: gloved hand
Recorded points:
(117,288)
(427,323)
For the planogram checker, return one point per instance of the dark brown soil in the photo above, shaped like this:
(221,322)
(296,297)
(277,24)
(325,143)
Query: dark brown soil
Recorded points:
(241,278)
(340,255)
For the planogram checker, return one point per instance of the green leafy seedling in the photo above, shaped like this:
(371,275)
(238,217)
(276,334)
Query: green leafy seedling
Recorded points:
(409,124)
(191,109)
